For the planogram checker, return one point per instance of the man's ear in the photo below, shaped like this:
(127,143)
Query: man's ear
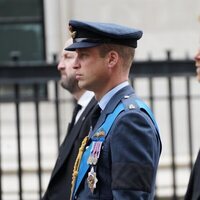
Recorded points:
(113,58)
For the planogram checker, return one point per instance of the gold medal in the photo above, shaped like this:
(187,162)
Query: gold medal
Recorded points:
(89,161)
(99,134)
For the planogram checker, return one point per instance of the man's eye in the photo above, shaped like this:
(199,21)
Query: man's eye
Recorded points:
(69,56)
(82,55)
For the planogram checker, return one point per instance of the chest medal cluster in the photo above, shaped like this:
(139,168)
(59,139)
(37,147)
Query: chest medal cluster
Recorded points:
(97,141)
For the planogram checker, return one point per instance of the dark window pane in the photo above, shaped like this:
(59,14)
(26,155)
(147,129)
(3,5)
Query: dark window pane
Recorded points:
(17,8)
(24,38)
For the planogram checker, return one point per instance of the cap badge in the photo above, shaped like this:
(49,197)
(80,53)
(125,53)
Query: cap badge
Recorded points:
(72,33)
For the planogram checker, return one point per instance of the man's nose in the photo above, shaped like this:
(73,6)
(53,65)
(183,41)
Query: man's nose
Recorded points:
(76,63)
(60,65)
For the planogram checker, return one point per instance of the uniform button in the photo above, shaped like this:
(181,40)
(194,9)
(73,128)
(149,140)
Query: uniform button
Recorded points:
(131,106)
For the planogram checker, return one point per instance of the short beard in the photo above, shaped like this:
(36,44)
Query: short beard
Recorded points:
(71,84)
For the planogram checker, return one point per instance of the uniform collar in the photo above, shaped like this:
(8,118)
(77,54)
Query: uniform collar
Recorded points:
(106,98)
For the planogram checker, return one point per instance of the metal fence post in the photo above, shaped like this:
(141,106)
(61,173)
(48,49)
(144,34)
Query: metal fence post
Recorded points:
(17,100)
(173,164)
(188,98)
(0,159)
(36,101)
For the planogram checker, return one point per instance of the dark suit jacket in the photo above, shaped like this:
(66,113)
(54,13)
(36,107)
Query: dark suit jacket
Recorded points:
(59,187)
(193,190)
(127,166)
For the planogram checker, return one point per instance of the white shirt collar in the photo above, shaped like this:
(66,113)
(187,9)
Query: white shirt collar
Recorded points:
(85,98)
(84,101)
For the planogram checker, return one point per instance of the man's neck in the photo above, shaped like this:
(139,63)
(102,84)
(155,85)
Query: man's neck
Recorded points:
(99,94)
(78,94)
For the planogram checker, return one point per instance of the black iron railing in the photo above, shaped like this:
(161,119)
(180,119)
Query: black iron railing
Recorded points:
(37,74)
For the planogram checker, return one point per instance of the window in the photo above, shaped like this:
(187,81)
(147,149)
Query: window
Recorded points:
(21,29)
(21,37)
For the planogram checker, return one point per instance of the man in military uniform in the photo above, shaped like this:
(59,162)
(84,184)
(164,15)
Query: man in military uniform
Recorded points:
(193,189)
(119,158)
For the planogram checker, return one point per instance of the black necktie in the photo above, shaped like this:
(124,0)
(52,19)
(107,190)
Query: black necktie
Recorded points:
(75,112)
(95,115)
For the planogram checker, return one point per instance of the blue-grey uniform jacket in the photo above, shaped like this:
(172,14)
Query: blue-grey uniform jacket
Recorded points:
(126,169)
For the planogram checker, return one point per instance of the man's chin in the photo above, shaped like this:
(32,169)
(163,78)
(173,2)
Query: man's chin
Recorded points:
(64,85)
(82,85)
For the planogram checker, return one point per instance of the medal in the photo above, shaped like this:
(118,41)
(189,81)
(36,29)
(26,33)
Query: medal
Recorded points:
(94,153)
(93,158)
(92,180)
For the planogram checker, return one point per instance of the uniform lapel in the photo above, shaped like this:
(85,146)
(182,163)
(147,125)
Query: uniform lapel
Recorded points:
(69,140)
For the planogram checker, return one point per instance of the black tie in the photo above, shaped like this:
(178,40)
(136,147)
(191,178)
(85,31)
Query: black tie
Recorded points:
(95,115)
(75,111)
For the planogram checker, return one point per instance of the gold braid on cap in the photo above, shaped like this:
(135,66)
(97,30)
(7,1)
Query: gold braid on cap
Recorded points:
(72,33)
(77,164)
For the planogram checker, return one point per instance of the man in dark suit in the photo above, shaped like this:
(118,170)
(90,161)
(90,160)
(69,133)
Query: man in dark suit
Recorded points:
(59,186)
(121,154)
(193,189)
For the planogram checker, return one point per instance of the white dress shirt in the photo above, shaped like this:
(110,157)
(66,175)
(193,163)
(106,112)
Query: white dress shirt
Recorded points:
(84,101)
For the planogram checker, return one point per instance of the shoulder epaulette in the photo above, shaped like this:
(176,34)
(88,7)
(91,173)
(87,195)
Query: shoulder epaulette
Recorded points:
(133,102)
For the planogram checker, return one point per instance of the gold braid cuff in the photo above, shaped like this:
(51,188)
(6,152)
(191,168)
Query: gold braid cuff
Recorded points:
(77,164)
